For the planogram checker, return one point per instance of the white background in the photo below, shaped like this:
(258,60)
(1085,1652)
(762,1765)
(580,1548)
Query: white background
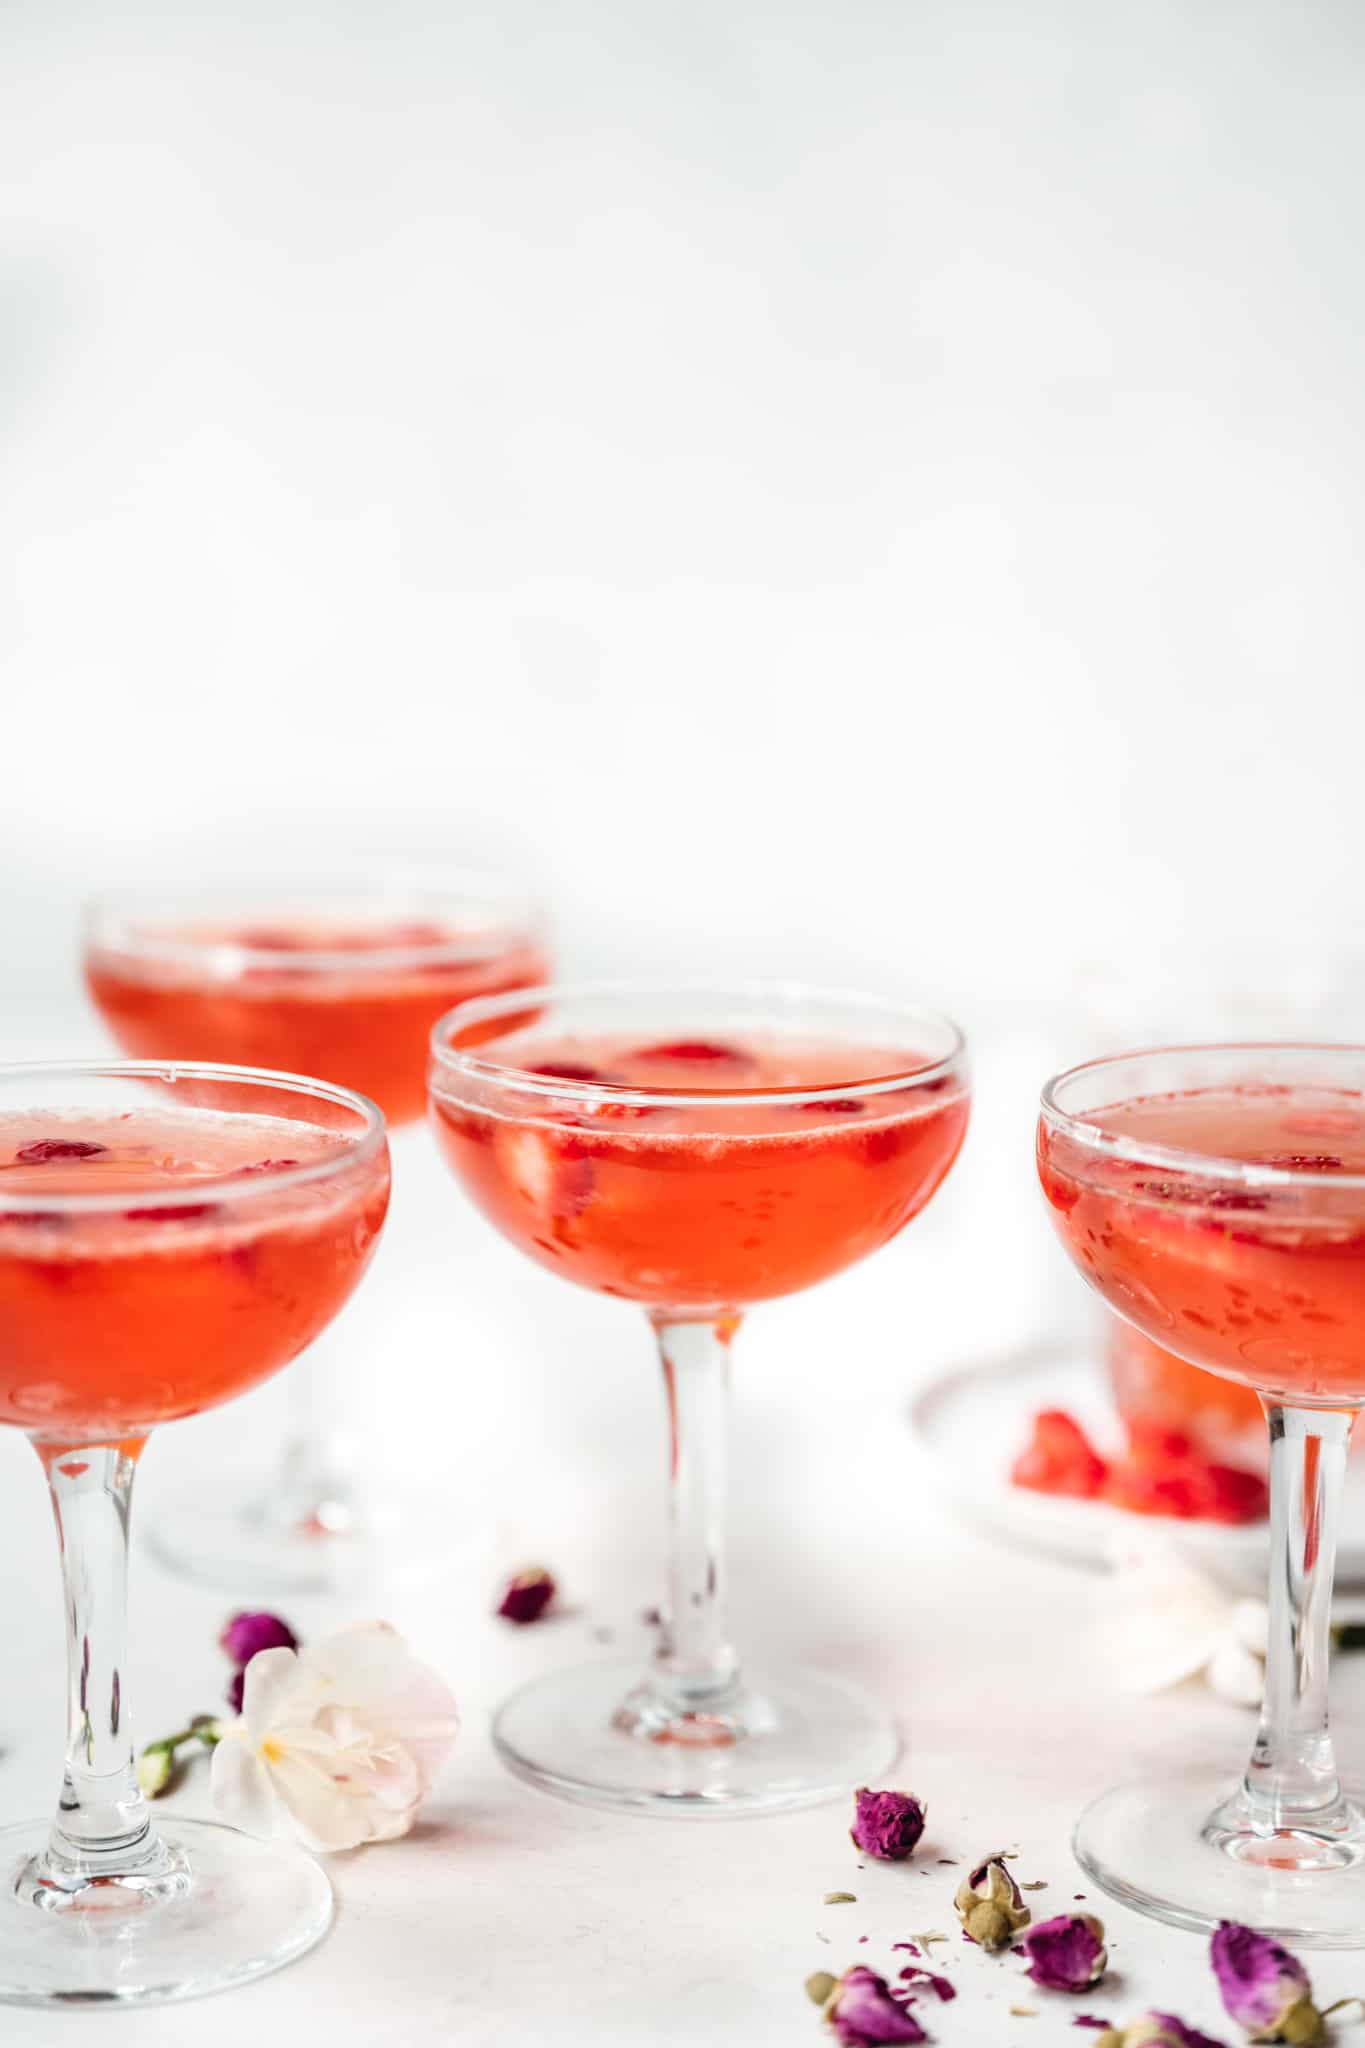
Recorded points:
(864,490)
(871,492)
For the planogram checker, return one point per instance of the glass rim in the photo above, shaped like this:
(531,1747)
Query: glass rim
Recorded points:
(449,1059)
(363,1147)
(1115,1145)
(109,922)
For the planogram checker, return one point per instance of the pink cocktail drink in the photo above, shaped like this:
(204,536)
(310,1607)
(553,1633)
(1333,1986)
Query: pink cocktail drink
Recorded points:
(345,983)
(348,994)
(136,1285)
(169,1235)
(1256,1273)
(712,1174)
(1214,1196)
(696,1153)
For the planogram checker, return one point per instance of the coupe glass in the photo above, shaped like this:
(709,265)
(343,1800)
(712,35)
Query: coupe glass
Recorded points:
(168,1236)
(696,1152)
(1215,1197)
(347,983)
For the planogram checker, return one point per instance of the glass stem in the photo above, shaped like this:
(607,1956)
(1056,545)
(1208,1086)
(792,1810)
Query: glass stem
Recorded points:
(312,1487)
(1292,1779)
(696,1670)
(102,1823)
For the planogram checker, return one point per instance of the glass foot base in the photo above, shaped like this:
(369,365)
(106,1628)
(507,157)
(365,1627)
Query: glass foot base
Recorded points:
(1174,1847)
(597,1735)
(336,1544)
(219,1908)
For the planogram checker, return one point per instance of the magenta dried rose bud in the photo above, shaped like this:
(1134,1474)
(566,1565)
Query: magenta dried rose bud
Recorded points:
(862,2008)
(1068,1953)
(886,1825)
(527,1595)
(245,1634)
(990,1905)
(1264,1988)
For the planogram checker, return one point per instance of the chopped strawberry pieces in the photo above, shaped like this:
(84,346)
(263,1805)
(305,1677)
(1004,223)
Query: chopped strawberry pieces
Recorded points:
(836,1105)
(566,1070)
(172,1212)
(692,1051)
(1060,1458)
(268,939)
(1161,1473)
(267,1166)
(44,1149)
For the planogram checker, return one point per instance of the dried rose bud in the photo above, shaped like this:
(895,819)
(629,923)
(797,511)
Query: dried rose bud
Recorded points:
(1263,1987)
(862,2008)
(990,1905)
(1068,1953)
(1157,2030)
(245,1634)
(886,1825)
(527,1596)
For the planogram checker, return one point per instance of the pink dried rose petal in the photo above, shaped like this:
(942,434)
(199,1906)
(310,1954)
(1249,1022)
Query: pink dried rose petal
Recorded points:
(942,1987)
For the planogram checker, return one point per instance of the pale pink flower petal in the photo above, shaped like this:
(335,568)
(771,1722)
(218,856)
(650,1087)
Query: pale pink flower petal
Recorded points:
(343,1738)
(241,1785)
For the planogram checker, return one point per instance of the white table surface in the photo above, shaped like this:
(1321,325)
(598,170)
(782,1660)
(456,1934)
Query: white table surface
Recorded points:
(511,1918)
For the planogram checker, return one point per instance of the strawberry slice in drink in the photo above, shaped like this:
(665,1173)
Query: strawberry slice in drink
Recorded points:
(552,1173)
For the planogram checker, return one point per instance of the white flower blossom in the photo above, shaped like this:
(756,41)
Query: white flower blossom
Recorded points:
(338,1741)
(1167,1621)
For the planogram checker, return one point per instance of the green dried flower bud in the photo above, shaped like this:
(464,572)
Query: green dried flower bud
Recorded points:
(820,1987)
(1302,2025)
(990,1905)
(1158,2030)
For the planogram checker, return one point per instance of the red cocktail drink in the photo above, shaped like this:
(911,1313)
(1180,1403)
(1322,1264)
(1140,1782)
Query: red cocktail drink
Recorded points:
(696,1153)
(704,1176)
(136,1283)
(1256,1272)
(351,997)
(346,984)
(1214,1196)
(169,1235)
